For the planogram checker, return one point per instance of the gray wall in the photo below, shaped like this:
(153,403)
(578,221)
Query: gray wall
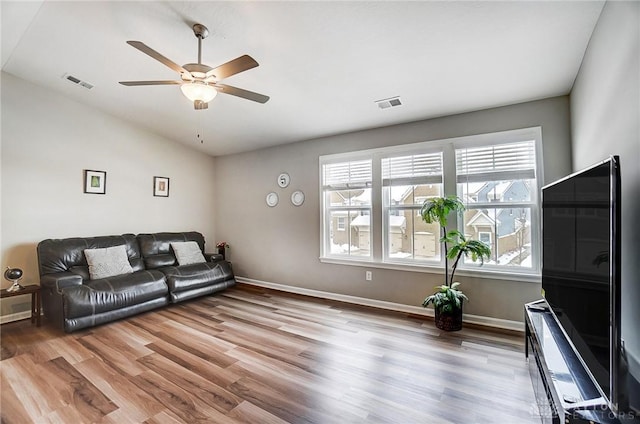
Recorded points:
(47,142)
(605,120)
(282,244)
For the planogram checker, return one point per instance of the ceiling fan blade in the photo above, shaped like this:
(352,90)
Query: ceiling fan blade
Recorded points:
(165,82)
(235,66)
(157,56)
(239,92)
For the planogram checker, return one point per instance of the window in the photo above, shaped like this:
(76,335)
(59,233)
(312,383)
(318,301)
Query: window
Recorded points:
(371,201)
(346,190)
(407,182)
(485,237)
(498,186)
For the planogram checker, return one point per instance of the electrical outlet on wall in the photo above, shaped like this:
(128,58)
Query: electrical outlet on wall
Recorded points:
(368,275)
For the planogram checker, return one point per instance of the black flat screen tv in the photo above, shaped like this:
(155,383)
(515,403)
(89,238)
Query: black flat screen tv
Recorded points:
(581,268)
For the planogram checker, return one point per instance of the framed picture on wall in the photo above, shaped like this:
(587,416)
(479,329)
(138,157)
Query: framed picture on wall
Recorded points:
(95,182)
(161,186)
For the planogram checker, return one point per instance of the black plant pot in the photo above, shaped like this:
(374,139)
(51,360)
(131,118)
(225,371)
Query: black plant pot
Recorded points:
(221,251)
(449,321)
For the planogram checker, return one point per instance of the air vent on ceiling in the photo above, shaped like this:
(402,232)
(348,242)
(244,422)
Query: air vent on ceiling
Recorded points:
(78,81)
(389,103)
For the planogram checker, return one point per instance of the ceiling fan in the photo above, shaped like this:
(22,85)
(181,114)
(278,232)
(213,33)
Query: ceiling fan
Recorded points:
(201,83)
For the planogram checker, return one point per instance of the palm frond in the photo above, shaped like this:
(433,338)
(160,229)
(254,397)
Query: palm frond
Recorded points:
(438,209)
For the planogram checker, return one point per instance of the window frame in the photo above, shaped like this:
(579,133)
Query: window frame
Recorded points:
(327,209)
(379,242)
(387,207)
(508,137)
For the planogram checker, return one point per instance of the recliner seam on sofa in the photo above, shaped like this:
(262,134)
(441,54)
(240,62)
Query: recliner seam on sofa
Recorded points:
(191,275)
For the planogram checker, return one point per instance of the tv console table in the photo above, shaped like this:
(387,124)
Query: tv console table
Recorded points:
(564,392)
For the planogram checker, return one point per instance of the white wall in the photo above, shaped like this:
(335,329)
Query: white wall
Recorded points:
(47,142)
(281,244)
(605,120)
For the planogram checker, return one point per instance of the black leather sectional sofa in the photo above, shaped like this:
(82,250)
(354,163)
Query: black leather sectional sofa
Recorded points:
(72,300)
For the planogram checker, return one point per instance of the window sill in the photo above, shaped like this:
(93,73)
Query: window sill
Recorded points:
(490,274)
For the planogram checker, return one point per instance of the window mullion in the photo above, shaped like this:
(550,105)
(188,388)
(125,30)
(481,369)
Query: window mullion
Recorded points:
(450,186)
(375,231)
(348,208)
(500,205)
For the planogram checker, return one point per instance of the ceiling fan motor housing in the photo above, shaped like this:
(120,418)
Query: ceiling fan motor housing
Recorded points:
(198,70)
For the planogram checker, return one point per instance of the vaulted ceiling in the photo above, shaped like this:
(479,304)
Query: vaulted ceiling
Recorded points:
(323,64)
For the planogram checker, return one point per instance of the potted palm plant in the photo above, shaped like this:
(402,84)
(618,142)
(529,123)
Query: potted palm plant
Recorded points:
(448,298)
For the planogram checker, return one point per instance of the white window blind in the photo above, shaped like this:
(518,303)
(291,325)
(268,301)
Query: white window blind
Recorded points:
(511,161)
(423,168)
(347,175)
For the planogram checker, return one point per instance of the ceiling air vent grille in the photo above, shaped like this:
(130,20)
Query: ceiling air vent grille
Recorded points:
(78,81)
(389,103)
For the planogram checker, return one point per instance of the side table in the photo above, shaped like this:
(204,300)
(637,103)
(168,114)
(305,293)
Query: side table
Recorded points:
(36,304)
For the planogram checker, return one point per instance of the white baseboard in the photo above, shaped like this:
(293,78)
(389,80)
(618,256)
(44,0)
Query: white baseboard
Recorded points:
(391,306)
(15,317)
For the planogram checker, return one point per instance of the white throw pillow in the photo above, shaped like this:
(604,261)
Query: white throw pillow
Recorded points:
(108,262)
(188,252)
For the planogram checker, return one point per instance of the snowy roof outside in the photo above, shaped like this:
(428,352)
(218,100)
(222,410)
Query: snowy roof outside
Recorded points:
(399,193)
(394,221)
(484,218)
(472,188)
(363,198)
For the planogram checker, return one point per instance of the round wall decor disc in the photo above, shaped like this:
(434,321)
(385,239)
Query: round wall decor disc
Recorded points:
(283,180)
(272,199)
(297,198)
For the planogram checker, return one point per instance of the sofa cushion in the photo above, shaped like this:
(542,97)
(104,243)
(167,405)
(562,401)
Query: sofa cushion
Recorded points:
(107,262)
(156,248)
(187,252)
(61,255)
(106,294)
(193,276)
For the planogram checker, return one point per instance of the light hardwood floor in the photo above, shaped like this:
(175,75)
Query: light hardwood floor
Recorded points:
(260,356)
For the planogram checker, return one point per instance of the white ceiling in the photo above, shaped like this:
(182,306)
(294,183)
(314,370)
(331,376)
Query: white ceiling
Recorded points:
(322,63)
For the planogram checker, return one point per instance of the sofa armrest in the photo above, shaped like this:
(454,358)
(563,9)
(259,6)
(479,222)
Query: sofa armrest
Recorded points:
(213,257)
(60,280)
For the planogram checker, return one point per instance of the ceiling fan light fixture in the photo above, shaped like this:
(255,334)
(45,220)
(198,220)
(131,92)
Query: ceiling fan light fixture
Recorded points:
(198,91)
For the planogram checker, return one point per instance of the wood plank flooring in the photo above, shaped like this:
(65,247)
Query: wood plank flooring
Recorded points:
(251,355)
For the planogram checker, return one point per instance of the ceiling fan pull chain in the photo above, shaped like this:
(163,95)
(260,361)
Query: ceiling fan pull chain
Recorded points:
(200,131)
